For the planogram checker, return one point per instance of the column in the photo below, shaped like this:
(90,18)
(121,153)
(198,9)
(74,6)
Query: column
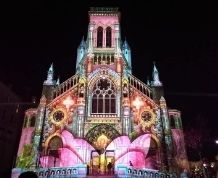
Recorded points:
(80,117)
(38,128)
(126,117)
(167,133)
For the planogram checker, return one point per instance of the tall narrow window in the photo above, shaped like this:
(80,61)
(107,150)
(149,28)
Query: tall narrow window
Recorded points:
(172,122)
(99,37)
(108,37)
(104,97)
(32,121)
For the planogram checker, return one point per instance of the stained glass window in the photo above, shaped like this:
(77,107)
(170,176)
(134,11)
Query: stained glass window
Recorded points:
(104,97)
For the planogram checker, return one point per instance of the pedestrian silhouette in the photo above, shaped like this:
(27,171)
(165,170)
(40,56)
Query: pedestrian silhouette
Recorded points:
(87,169)
(130,163)
(109,167)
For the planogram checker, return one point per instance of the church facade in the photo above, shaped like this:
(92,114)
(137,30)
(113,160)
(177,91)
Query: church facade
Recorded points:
(103,114)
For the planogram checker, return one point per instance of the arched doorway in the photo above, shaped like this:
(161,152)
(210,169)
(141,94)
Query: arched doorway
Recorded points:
(99,37)
(99,137)
(54,144)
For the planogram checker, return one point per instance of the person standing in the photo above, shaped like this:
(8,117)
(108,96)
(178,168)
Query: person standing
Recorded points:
(130,163)
(109,167)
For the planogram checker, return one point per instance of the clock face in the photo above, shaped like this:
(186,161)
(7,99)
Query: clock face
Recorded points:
(58,115)
(146,116)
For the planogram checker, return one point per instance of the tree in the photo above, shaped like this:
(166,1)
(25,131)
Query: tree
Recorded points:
(25,159)
(196,134)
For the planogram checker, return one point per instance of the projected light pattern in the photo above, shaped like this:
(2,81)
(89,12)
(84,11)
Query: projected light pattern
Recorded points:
(78,151)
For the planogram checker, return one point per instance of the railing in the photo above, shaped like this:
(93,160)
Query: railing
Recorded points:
(63,87)
(103,59)
(125,171)
(149,173)
(139,85)
(57,172)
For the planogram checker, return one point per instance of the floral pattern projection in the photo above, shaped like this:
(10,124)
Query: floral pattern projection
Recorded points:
(144,114)
(76,151)
(60,116)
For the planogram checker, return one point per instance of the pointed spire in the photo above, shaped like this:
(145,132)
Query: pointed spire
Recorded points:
(125,44)
(155,74)
(148,81)
(43,100)
(58,81)
(50,75)
(163,102)
(51,68)
(82,43)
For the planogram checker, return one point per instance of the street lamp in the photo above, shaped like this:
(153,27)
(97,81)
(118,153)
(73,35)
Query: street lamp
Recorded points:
(216,141)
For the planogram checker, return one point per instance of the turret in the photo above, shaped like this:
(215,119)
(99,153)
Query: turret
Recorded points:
(127,55)
(155,75)
(148,81)
(50,76)
(49,84)
(58,81)
(81,50)
(156,85)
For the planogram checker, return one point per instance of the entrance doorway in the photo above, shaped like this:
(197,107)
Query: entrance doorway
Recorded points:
(99,161)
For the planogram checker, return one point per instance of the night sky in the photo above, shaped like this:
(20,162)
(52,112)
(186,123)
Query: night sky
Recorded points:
(181,37)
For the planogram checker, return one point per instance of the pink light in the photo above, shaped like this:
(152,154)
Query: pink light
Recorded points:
(137,103)
(26,137)
(68,102)
(216,141)
(78,151)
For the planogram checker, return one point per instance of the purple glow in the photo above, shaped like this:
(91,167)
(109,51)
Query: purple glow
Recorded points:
(180,153)
(126,151)
(26,138)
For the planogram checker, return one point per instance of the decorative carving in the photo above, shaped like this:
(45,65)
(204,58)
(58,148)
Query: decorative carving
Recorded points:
(58,116)
(99,129)
(148,119)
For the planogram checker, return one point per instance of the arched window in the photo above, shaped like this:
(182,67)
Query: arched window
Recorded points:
(54,144)
(32,121)
(99,37)
(104,97)
(108,37)
(25,122)
(172,122)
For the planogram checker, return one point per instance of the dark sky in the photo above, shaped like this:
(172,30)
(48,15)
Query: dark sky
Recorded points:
(182,38)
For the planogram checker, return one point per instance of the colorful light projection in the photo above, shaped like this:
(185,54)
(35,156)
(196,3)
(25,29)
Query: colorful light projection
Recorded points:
(76,151)
(68,102)
(26,138)
(180,153)
(102,142)
(137,103)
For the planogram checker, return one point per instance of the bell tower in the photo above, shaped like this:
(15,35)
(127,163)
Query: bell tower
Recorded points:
(104,28)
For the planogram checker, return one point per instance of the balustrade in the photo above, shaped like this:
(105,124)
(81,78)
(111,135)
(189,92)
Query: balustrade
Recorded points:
(139,85)
(65,86)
